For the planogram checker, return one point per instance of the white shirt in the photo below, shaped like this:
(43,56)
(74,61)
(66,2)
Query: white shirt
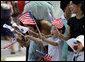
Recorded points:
(55,51)
(80,56)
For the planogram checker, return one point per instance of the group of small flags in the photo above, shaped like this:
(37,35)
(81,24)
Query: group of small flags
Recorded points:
(27,19)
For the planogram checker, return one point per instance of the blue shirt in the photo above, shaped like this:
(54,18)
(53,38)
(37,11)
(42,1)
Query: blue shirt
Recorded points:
(32,56)
(65,24)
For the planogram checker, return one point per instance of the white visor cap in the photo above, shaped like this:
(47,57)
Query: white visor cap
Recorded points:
(80,38)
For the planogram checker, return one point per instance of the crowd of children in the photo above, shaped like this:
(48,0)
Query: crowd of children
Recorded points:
(50,39)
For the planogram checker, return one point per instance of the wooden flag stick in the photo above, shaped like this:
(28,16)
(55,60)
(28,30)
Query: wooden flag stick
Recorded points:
(38,30)
(36,25)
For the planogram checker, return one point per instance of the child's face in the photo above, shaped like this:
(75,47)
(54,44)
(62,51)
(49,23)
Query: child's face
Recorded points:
(80,47)
(54,32)
(34,30)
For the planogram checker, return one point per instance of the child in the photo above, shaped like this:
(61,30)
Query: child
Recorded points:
(54,43)
(77,45)
(80,56)
(34,45)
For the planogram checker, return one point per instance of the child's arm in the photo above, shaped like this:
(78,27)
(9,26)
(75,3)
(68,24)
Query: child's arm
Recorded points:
(61,36)
(49,41)
(23,43)
(33,38)
(33,33)
(37,41)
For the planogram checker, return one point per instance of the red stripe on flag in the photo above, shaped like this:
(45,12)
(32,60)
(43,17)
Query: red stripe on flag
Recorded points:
(58,23)
(26,19)
(48,57)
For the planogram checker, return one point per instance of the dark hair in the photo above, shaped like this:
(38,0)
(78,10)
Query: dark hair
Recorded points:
(63,29)
(63,5)
(79,2)
(80,42)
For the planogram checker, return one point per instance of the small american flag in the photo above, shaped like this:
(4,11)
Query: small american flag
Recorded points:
(27,19)
(58,23)
(46,56)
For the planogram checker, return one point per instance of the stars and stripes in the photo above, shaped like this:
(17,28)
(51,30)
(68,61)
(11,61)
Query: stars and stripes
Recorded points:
(58,23)
(46,56)
(27,19)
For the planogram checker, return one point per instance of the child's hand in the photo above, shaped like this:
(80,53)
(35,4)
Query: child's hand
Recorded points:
(39,35)
(19,37)
(42,37)
(61,36)
(22,43)
(27,37)
(48,57)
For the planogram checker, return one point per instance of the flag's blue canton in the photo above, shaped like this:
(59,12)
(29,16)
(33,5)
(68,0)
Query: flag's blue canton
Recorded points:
(31,16)
(50,17)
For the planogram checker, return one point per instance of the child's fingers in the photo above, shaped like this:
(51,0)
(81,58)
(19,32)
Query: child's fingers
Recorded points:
(61,36)
(40,35)
(26,36)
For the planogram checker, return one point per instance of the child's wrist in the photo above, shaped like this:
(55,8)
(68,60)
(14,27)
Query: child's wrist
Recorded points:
(43,38)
